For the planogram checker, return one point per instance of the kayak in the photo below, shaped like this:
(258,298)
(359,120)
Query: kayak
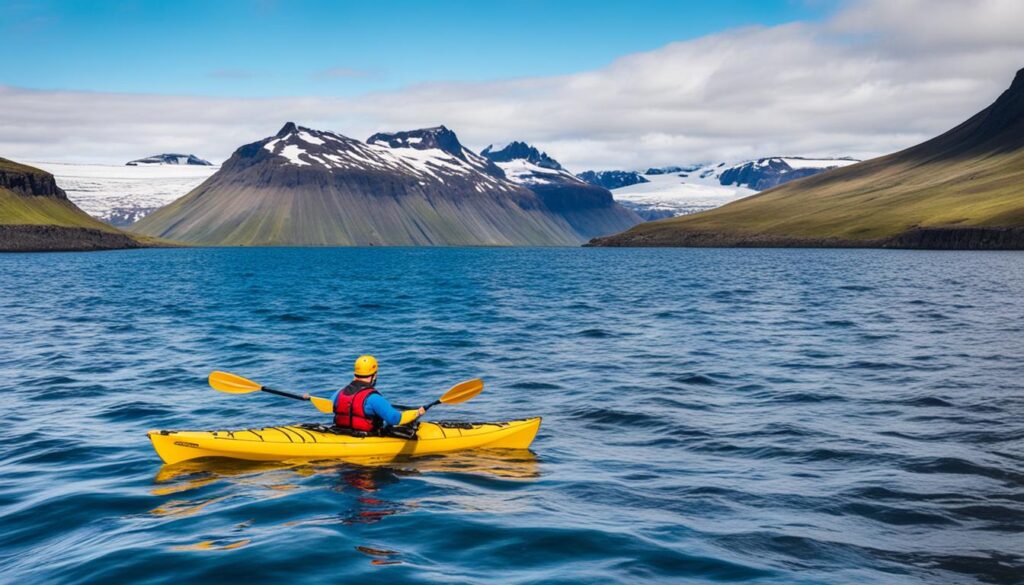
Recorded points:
(318,442)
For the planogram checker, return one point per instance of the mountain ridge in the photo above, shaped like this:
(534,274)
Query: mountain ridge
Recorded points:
(309,187)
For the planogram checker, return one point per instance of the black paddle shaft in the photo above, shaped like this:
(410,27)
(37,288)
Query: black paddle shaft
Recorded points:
(434,403)
(281,393)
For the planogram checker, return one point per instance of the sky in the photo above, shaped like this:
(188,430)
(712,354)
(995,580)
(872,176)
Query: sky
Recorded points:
(597,84)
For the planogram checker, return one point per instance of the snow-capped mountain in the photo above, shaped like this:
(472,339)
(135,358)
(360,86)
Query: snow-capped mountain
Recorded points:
(310,187)
(120,195)
(170,159)
(589,208)
(438,146)
(670,170)
(612,179)
(766,173)
(681,190)
(526,165)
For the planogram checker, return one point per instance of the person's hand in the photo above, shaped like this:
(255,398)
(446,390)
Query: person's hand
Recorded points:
(422,411)
(305,396)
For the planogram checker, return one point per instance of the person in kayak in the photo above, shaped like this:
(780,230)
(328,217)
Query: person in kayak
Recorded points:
(359,407)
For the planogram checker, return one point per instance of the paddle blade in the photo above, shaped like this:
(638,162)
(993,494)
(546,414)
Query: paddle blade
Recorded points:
(322,404)
(463,391)
(232,384)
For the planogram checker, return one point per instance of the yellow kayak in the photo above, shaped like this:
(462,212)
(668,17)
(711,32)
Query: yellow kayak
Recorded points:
(309,442)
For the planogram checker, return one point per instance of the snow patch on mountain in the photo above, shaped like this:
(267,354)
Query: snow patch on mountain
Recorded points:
(526,173)
(680,190)
(818,163)
(677,193)
(525,165)
(430,154)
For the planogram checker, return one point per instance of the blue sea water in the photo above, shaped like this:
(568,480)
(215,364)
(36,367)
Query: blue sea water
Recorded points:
(710,416)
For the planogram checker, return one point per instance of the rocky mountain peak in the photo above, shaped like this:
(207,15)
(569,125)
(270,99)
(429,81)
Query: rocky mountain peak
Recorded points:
(426,155)
(438,137)
(1017,85)
(1006,116)
(521,151)
(286,130)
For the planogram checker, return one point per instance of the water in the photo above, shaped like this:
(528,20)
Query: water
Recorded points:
(756,416)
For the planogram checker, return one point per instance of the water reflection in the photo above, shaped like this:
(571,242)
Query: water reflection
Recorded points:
(364,481)
(365,474)
(380,556)
(199,485)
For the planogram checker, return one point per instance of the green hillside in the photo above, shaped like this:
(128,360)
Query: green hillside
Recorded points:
(35,214)
(226,212)
(963,189)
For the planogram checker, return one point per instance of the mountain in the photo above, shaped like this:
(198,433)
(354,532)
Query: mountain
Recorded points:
(521,151)
(121,195)
(589,209)
(960,190)
(612,179)
(309,187)
(669,170)
(170,159)
(661,192)
(765,173)
(35,215)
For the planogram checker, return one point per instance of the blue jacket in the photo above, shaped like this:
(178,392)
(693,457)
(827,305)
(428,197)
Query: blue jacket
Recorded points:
(377,405)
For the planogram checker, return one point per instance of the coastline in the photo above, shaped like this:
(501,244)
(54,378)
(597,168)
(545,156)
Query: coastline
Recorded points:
(937,238)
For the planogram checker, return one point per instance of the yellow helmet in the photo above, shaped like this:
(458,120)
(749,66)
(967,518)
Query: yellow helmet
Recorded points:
(366,365)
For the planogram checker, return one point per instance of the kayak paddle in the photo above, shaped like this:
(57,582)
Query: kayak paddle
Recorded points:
(233,384)
(459,393)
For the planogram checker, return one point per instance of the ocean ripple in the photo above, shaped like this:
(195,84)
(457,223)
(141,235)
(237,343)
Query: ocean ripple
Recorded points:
(750,416)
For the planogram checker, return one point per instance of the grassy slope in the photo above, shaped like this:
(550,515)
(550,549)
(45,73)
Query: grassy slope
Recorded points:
(970,176)
(319,215)
(21,210)
(16,209)
(874,200)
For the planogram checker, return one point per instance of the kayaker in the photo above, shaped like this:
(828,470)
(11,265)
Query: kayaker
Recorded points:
(359,407)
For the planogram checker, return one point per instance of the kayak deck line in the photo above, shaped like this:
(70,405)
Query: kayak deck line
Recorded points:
(279,443)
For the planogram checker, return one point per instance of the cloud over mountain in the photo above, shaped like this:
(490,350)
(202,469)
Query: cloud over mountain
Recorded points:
(876,77)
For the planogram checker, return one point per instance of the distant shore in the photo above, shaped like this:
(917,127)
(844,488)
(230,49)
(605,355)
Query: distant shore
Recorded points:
(942,238)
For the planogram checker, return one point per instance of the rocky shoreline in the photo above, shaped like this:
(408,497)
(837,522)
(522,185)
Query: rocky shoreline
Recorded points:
(938,238)
(51,238)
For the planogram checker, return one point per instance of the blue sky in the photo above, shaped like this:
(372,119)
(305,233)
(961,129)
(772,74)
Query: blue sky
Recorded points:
(277,48)
(597,84)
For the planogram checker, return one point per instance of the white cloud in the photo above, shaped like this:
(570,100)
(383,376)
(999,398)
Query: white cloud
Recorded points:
(935,25)
(877,77)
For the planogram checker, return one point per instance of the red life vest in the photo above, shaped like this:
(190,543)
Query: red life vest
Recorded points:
(348,408)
